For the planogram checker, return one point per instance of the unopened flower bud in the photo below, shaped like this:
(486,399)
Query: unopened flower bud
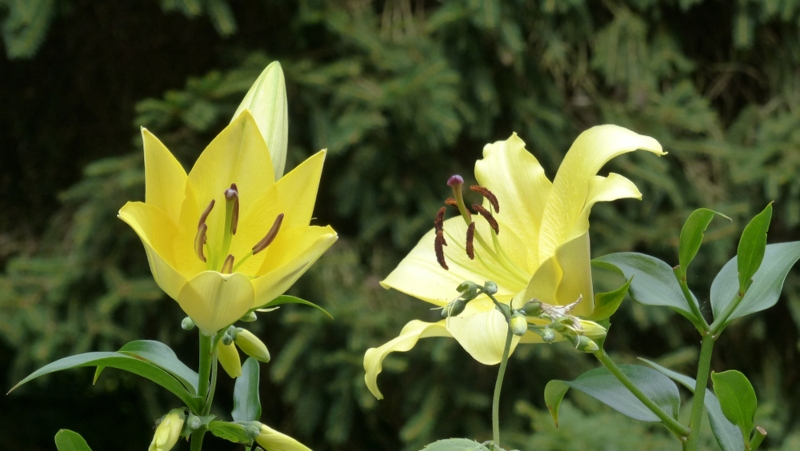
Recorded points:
(454,308)
(168,431)
(468,290)
(271,439)
(490,287)
(187,324)
(583,343)
(249,317)
(226,339)
(253,430)
(252,345)
(194,422)
(228,357)
(548,335)
(533,308)
(518,324)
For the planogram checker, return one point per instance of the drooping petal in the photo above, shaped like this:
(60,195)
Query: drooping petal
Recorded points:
(515,176)
(590,151)
(157,233)
(272,440)
(266,100)
(481,333)
(165,178)
(237,155)
(214,300)
(229,358)
(411,333)
(420,275)
(288,259)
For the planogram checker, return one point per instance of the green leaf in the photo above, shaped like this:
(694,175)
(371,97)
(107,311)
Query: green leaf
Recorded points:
(767,281)
(67,440)
(286,299)
(692,236)
(123,362)
(455,444)
(727,434)
(246,404)
(231,432)
(606,304)
(600,384)
(654,282)
(751,247)
(164,357)
(737,399)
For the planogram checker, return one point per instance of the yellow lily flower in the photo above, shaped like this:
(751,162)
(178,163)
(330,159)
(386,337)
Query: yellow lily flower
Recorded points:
(219,263)
(540,249)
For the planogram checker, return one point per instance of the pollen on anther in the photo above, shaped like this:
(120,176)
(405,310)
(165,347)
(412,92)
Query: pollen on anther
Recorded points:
(205,213)
(483,191)
(438,245)
(470,239)
(487,215)
(438,223)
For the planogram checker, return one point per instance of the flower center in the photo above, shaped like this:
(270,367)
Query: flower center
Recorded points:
(499,259)
(220,259)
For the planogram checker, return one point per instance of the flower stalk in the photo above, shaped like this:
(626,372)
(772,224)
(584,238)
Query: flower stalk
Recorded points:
(698,403)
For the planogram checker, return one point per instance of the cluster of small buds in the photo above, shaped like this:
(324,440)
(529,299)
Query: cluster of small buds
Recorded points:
(561,322)
(467,291)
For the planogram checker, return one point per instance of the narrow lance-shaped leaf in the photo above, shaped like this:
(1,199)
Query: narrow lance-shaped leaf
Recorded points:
(246,403)
(737,399)
(767,282)
(164,357)
(231,432)
(752,245)
(692,236)
(67,440)
(727,434)
(600,384)
(286,299)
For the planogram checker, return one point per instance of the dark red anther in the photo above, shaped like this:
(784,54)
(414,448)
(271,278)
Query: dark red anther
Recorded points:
(227,266)
(451,202)
(205,213)
(487,215)
(470,239)
(200,240)
(438,246)
(438,223)
(488,195)
(270,237)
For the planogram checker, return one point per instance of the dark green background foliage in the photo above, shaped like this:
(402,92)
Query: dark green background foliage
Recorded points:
(403,94)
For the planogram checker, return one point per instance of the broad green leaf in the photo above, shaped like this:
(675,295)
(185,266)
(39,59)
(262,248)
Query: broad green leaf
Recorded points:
(266,100)
(767,281)
(692,236)
(600,384)
(737,399)
(727,434)
(123,362)
(246,404)
(231,432)
(606,304)
(751,247)
(164,357)
(654,282)
(67,440)
(456,444)
(286,299)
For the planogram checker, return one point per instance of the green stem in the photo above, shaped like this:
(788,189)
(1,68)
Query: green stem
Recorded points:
(672,424)
(758,437)
(213,388)
(497,386)
(702,324)
(698,403)
(207,358)
(720,321)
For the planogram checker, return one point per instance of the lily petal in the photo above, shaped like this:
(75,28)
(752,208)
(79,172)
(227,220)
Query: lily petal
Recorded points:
(165,178)
(214,300)
(411,333)
(564,277)
(157,232)
(590,151)
(273,440)
(481,334)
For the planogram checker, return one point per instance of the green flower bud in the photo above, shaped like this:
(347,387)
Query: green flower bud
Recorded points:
(252,430)
(187,324)
(468,290)
(226,340)
(533,308)
(490,287)
(252,346)
(454,308)
(548,335)
(194,422)
(232,331)
(249,317)
(518,324)
(583,343)
(168,431)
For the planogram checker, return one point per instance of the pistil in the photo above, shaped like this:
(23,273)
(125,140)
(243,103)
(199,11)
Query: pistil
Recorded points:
(456,182)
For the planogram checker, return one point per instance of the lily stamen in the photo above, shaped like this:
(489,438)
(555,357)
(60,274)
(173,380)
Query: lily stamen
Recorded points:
(487,215)
(270,237)
(205,213)
(227,266)
(470,238)
(200,241)
(483,191)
